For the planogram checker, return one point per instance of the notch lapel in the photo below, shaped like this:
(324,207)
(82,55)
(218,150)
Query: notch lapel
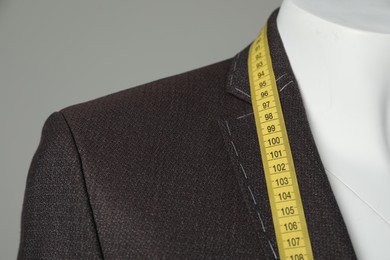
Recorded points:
(327,230)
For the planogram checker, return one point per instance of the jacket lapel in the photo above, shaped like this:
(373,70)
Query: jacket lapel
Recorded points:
(327,230)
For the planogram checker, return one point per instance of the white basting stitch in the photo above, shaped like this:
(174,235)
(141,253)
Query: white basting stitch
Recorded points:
(235,150)
(243,92)
(231,80)
(282,76)
(253,197)
(228,127)
(285,85)
(232,76)
(242,168)
(261,221)
(244,115)
(234,69)
(273,251)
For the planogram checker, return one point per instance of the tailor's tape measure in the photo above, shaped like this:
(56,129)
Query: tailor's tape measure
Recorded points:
(282,185)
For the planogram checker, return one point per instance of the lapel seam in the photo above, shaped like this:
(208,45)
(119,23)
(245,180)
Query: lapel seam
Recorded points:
(236,59)
(235,74)
(253,207)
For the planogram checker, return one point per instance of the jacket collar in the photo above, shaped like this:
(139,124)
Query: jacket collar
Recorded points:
(238,81)
(327,230)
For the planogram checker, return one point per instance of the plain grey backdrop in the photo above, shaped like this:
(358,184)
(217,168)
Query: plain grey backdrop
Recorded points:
(57,53)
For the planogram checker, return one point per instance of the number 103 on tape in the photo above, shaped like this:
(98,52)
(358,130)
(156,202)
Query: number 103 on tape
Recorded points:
(286,205)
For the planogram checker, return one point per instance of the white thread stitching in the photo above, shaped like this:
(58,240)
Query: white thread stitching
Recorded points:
(242,168)
(253,198)
(273,251)
(235,150)
(226,122)
(232,75)
(243,92)
(244,115)
(234,69)
(261,221)
(285,86)
(282,76)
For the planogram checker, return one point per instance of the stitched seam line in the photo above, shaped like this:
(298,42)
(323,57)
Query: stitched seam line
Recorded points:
(85,185)
(232,76)
(249,189)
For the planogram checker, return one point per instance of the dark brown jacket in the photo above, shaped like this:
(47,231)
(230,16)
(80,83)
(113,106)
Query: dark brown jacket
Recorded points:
(171,169)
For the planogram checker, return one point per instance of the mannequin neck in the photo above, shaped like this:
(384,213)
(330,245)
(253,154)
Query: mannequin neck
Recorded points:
(341,65)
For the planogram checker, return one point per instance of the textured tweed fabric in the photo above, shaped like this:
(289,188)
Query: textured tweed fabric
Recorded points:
(171,169)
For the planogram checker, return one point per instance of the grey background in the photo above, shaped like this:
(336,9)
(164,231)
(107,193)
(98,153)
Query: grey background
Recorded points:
(57,53)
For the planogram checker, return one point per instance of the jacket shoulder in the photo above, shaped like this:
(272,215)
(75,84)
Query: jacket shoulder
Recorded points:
(177,89)
(56,206)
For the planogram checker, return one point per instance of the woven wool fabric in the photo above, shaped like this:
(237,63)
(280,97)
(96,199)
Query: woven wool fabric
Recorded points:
(172,169)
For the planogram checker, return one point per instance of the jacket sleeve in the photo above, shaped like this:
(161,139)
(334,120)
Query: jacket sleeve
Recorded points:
(57,220)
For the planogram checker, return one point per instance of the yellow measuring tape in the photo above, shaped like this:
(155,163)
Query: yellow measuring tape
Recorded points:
(282,185)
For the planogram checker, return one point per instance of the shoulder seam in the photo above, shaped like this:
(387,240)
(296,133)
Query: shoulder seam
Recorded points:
(84,182)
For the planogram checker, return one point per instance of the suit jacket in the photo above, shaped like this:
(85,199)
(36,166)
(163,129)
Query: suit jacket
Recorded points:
(172,169)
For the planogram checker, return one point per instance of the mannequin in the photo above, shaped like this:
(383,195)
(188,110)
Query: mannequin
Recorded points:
(340,54)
